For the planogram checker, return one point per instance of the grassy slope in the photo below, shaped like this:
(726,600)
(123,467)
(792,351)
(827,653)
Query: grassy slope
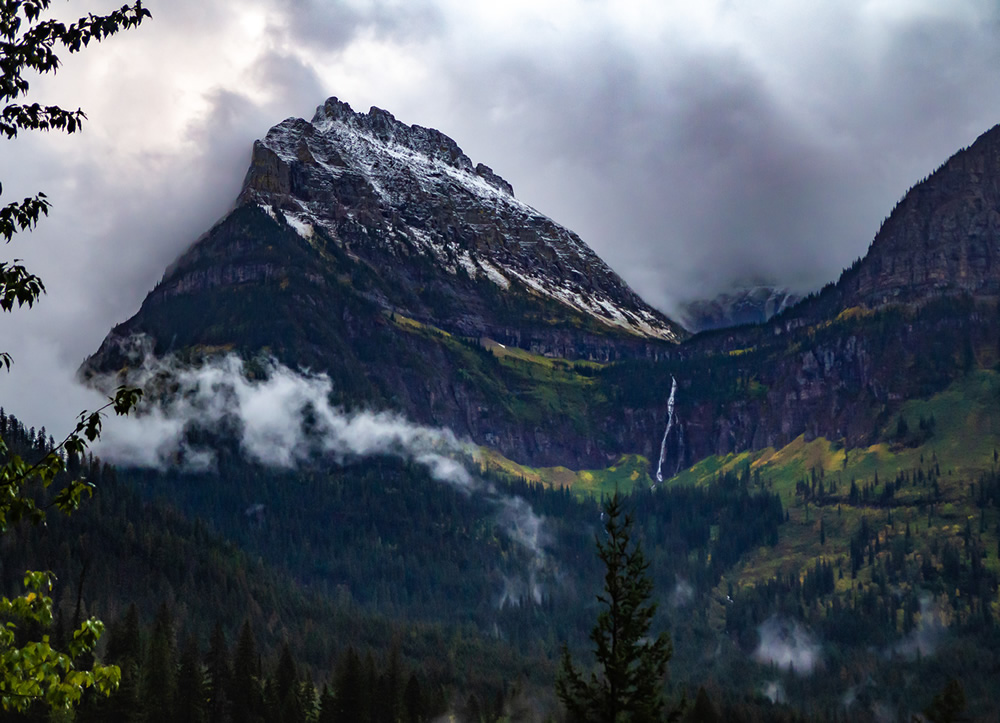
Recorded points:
(965,437)
(632,470)
(532,388)
(543,386)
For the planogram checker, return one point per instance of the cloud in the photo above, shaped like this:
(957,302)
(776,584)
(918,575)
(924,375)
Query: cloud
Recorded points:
(774,691)
(284,419)
(692,145)
(923,640)
(682,594)
(788,645)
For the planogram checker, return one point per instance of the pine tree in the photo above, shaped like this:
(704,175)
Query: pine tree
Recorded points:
(704,710)
(159,673)
(327,706)
(352,704)
(246,689)
(629,682)
(947,705)
(218,675)
(192,696)
(413,701)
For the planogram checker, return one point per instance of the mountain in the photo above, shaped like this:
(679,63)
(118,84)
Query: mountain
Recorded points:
(395,196)
(325,264)
(744,305)
(830,492)
(916,313)
(378,253)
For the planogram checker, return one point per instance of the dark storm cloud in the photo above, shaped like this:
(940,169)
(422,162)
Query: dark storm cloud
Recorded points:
(327,25)
(693,166)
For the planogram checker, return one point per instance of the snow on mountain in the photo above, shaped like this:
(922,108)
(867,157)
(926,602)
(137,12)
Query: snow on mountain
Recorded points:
(371,182)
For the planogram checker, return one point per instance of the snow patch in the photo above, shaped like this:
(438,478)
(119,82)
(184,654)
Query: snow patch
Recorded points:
(493,274)
(297,221)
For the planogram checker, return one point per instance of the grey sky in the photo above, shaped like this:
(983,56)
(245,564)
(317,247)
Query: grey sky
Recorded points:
(692,145)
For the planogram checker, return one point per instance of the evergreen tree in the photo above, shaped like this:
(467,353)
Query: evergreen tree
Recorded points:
(703,710)
(629,682)
(246,688)
(286,689)
(351,701)
(159,678)
(415,708)
(947,705)
(217,676)
(192,696)
(327,706)
(124,650)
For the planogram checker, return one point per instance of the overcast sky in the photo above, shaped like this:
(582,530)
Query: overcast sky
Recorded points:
(693,145)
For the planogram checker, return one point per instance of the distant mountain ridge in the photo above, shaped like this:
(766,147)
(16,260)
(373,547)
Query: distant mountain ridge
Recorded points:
(742,305)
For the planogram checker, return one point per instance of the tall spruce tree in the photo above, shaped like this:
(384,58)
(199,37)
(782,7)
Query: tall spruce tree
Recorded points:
(246,687)
(218,675)
(159,679)
(629,679)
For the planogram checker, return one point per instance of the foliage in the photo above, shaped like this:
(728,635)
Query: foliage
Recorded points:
(33,670)
(630,684)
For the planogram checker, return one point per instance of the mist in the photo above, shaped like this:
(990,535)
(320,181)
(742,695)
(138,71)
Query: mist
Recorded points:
(924,639)
(788,645)
(682,594)
(283,419)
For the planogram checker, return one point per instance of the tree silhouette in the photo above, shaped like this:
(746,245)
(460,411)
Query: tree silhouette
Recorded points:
(628,683)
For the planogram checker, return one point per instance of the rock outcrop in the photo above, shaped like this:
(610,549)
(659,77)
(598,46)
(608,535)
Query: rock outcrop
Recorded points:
(942,238)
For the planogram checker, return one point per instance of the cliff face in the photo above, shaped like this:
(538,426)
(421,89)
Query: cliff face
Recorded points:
(943,237)
(841,378)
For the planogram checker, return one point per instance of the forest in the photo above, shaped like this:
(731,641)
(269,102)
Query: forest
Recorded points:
(318,575)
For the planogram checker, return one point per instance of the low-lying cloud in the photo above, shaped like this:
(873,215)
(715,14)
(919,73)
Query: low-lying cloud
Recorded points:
(682,594)
(788,645)
(924,639)
(283,419)
(774,691)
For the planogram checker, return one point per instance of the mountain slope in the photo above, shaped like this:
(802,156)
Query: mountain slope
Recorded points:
(396,329)
(377,253)
(943,237)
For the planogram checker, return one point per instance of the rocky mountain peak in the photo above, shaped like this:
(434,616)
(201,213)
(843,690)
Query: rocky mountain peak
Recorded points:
(427,141)
(377,186)
(942,237)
